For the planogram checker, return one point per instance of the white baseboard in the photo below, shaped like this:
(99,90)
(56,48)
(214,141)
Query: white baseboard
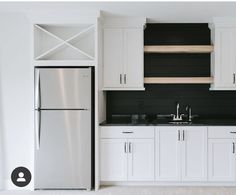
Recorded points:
(220,184)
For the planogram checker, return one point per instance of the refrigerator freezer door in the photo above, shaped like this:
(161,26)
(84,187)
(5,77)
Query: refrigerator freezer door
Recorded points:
(63,160)
(65,88)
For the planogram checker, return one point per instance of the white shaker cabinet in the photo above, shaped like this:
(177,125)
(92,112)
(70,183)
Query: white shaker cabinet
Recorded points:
(127,154)
(113,159)
(123,63)
(221,160)
(113,58)
(181,153)
(222,154)
(141,160)
(223,59)
(194,154)
(133,58)
(167,154)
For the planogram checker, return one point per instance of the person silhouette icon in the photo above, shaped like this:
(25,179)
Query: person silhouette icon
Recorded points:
(21,177)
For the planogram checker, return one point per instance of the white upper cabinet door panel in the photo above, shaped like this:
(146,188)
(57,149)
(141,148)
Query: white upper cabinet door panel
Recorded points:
(133,58)
(226,69)
(113,58)
(123,62)
(221,160)
(168,154)
(113,160)
(141,160)
(194,154)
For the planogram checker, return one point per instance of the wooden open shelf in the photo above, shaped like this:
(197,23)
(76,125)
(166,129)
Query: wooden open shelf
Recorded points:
(178,80)
(178,48)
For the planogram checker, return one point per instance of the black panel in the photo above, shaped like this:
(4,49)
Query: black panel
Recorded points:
(177,34)
(174,65)
(161,98)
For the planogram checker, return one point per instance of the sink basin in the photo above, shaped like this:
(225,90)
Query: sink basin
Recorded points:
(180,122)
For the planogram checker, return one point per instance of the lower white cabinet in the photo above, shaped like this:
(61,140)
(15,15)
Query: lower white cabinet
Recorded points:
(221,160)
(181,154)
(127,160)
(167,154)
(141,159)
(127,154)
(113,160)
(194,154)
(178,154)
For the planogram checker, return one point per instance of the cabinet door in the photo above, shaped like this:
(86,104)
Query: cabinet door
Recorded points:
(133,58)
(141,160)
(167,154)
(194,154)
(113,60)
(225,60)
(221,160)
(113,160)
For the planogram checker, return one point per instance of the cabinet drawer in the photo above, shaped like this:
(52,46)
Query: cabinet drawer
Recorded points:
(222,132)
(127,132)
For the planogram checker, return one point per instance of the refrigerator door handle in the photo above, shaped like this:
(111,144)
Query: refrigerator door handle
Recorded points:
(37,89)
(37,127)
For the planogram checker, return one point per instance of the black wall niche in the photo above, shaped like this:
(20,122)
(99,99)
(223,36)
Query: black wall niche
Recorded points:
(161,98)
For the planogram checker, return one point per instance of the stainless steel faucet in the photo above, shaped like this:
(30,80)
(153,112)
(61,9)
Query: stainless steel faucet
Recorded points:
(189,110)
(177,116)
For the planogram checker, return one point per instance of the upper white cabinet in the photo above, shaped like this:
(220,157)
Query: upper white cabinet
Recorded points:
(67,43)
(113,58)
(181,154)
(123,63)
(223,58)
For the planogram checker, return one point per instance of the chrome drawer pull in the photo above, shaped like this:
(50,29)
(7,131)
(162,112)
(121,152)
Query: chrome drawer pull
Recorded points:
(232,131)
(233,147)
(127,132)
(125,147)
(178,135)
(130,151)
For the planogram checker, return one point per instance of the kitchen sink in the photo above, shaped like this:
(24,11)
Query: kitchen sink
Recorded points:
(180,122)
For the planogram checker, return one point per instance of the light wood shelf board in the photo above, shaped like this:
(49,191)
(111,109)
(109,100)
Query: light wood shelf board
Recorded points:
(178,80)
(178,48)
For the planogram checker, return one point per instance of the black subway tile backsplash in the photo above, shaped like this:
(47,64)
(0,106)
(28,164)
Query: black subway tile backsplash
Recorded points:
(161,99)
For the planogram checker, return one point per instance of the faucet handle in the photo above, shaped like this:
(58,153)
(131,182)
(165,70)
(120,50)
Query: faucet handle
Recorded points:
(187,107)
(189,110)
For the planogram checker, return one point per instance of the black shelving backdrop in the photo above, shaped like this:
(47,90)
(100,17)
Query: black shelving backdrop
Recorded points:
(161,98)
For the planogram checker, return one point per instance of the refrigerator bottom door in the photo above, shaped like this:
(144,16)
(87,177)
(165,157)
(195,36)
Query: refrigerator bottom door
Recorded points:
(63,160)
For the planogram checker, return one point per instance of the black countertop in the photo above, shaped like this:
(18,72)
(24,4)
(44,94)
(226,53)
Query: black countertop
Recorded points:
(127,121)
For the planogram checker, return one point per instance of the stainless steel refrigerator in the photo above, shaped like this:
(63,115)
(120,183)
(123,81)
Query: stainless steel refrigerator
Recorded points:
(63,123)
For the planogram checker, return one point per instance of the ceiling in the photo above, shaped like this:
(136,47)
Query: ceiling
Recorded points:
(153,11)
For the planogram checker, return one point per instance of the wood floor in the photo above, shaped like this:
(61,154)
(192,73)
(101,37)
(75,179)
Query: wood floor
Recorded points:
(135,191)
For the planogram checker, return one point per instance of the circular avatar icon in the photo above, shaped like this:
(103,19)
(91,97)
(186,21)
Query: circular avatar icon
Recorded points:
(21,176)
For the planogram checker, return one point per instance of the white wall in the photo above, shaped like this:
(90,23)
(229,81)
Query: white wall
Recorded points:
(16,96)
(16,89)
